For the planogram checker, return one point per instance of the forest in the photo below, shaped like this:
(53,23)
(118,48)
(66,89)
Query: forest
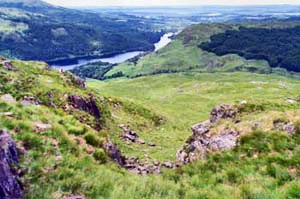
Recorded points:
(279,46)
(49,33)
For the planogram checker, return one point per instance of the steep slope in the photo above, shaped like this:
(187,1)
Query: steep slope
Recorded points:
(26,26)
(59,124)
(185,53)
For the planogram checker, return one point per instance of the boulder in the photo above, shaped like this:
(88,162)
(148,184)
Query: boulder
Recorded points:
(151,144)
(29,101)
(8,99)
(10,186)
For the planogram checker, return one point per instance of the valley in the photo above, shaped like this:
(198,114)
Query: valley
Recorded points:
(116,59)
(163,102)
(186,99)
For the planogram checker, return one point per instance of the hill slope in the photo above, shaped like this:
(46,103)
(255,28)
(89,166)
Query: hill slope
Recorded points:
(185,53)
(61,130)
(26,26)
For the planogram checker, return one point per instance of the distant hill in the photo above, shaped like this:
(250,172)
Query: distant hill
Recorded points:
(25,3)
(188,53)
(35,30)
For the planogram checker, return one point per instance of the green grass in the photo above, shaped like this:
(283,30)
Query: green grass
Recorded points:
(187,99)
(160,109)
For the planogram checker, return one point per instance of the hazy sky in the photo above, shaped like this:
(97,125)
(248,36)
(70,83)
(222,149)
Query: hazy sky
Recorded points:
(167,2)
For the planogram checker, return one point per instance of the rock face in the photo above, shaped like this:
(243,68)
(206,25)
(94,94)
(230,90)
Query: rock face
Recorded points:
(10,188)
(202,142)
(87,105)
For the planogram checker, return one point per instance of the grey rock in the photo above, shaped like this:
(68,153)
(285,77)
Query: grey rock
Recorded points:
(10,188)
(224,141)
(202,142)
(151,144)
(289,128)
(223,111)
(201,128)
(114,153)
(29,101)
(168,164)
(8,99)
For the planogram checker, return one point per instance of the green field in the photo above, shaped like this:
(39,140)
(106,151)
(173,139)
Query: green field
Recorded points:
(187,99)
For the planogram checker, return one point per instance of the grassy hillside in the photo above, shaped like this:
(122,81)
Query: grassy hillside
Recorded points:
(184,54)
(186,99)
(61,146)
(258,168)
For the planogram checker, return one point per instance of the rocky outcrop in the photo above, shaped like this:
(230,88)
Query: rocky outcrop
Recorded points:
(114,153)
(223,111)
(88,105)
(29,101)
(135,165)
(203,142)
(286,126)
(9,184)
